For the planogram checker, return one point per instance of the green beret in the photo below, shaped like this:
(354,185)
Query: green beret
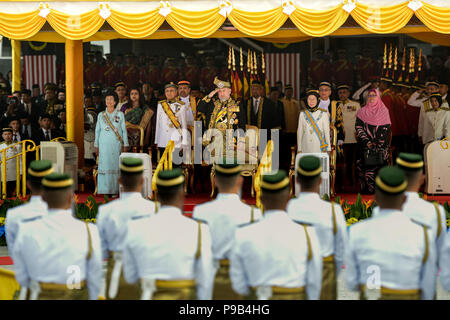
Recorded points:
(170,85)
(7,130)
(57,181)
(309,166)
(228,169)
(391,180)
(409,161)
(40,168)
(167,179)
(274,182)
(131,165)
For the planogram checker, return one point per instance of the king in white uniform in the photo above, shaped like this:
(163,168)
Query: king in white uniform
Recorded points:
(169,254)
(223,215)
(276,258)
(326,217)
(389,251)
(57,256)
(112,225)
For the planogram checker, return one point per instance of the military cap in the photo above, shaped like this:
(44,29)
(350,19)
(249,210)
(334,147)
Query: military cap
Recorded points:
(171,84)
(312,91)
(40,168)
(432,83)
(35,86)
(272,89)
(228,169)
(288,86)
(26,91)
(256,83)
(57,181)
(275,182)
(309,166)
(131,165)
(409,161)
(325,83)
(185,82)
(7,130)
(120,84)
(168,179)
(49,86)
(221,84)
(391,180)
(343,86)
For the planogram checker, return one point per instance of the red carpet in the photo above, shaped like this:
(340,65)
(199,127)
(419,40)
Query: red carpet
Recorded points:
(5,261)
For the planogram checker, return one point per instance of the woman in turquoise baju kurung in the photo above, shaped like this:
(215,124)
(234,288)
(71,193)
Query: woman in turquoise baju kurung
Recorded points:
(108,146)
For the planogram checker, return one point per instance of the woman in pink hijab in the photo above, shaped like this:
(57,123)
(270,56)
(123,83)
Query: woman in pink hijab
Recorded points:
(373,130)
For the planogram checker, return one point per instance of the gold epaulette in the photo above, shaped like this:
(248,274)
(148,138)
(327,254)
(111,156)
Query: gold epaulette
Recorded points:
(161,101)
(323,110)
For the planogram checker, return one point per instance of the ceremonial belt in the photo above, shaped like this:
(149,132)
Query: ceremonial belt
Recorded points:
(333,111)
(193,106)
(171,115)
(60,286)
(439,227)
(342,65)
(108,71)
(317,65)
(129,70)
(393,294)
(113,128)
(311,120)
(281,290)
(278,293)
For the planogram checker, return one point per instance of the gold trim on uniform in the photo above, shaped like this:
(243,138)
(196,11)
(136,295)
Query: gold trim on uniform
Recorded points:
(275,186)
(413,165)
(309,173)
(390,189)
(169,183)
(131,169)
(40,174)
(228,170)
(57,184)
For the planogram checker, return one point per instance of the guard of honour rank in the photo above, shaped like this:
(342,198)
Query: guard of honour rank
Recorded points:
(229,250)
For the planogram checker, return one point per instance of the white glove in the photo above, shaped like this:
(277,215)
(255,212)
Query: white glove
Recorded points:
(340,142)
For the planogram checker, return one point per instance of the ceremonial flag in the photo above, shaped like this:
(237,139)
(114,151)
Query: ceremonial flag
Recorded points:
(39,69)
(284,67)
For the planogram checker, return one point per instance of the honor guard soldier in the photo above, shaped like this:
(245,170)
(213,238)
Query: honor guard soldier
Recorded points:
(223,215)
(110,73)
(334,110)
(422,211)
(91,70)
(366,67)
(326,217)
(154,73)
(11,163)
(112,225)
(318,68)
(276,258)
(184,94)
(208,74)
(191,72)
(129,73)
(170,73)
(342,69)
(222,114)
(58,257)
(391,248)
(171,122)
(168,254)
(35,207)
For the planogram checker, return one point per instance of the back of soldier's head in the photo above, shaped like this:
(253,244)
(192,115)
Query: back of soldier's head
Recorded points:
(37,170)
(227,175)
(58,190)
(412,166)
(131,170)
(275,190)
(308,173)
(390,186)
(170,184)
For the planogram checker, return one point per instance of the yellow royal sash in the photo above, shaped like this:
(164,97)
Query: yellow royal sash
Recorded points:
(323,145)
(170,114)
(193,106)
(89,67)
(367,64)
(113,127)
(129,70)
(221,113)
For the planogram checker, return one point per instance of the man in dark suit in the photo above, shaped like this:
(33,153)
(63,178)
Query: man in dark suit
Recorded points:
(261,111)
(30,108)
(45,133)
(12,111)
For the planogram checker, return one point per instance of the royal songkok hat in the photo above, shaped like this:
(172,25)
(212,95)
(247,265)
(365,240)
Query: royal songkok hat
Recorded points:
(410,161)
(171,84)
(391,180)
(275,182)
(131,165)
(185,82)
(343,86)
(256,83)
(168,179)
(325,83)
(57,181)
(221,84)
(309,166)
(40,168)
(7,130)
(228,169)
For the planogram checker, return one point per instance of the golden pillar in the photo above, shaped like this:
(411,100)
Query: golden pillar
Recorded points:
(16,52)
(74,96)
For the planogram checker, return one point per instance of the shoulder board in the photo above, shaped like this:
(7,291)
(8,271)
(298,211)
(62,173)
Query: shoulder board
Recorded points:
(180,102)
(161,101)
(200,220)
(32,219)
(420,223)
(140,217)
(303,223)
(323,110)
(445,108)
(234,109)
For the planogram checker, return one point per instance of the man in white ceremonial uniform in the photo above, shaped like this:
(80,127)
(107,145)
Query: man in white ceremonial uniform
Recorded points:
(276,258)
(434,122)
(223,215)
(184,94)
(313,132)
(35,207)
(444,262)
(57,256)
(171,122)
(327,218)
(112,224)
(168,254)
(391,256)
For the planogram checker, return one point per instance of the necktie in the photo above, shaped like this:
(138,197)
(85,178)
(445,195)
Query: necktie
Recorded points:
(15,137)
(255,106)
(47,138)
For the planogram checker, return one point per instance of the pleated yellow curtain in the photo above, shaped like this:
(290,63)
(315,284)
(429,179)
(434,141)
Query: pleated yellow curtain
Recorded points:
(435,18)
(382,20)
(258,24)
(198,24)
(318,23)
(20,26)
(135,26)
(75,27)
